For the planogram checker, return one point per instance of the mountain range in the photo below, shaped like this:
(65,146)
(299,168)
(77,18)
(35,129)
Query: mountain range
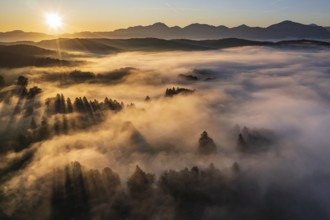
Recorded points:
(283,30)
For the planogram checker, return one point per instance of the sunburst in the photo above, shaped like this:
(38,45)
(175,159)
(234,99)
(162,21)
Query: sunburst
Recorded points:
(54,21)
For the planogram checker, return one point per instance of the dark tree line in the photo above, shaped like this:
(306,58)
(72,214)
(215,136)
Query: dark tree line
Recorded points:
(188,77)
(59,116)
(60,105)
(175,195)
(77,76)
(254,140)
(23,91)
(175,91)
(16,132)
(196,193)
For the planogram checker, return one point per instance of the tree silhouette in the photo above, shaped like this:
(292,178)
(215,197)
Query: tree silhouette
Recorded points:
(33,92)
(44,129)
(57,126)
(255,140)
(65,124)
(140,182)
(22,81)
(58,103)
(70,199)
(206,145)
(236,168)
(2,81)
(33,124)
(111,181)
(69,105)
(175,91)
(63,106)
(242,145)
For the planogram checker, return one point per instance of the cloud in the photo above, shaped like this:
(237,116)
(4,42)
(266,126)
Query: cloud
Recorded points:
(283,92)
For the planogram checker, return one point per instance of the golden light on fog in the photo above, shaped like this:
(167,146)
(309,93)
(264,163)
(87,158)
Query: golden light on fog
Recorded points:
(53,20)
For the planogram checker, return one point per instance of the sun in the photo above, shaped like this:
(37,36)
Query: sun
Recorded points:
(53,20)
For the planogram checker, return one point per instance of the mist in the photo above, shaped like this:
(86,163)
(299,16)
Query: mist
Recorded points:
(129,147)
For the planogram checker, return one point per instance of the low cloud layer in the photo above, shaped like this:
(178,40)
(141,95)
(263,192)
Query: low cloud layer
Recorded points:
(277,100)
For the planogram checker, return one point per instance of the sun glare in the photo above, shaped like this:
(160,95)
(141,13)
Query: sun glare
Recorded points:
(54,21)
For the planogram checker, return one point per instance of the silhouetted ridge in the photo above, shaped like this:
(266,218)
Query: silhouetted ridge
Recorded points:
(18,35)
(13,56)
(195,31)
(100,46)
(78,44)
(204,31)
(287,29)
(159,25)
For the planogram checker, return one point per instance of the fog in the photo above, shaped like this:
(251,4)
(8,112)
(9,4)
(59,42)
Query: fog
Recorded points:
(277,170)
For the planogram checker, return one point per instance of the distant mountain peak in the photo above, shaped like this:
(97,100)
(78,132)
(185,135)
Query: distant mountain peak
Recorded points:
(16,32)
(286,23)
(198,25)
(160,24)
(243,26)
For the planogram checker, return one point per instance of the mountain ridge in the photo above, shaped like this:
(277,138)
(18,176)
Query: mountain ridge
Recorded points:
(196,31)
(109,46)
(44,53)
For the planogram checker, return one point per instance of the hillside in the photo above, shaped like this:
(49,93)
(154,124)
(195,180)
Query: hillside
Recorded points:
(13,56)
(106,46)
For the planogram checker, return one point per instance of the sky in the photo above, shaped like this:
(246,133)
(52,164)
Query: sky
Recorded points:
(107,15)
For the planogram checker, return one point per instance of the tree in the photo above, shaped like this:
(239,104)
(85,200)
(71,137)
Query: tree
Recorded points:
(63,106)
(79,105)
(33,124)
(242,145)
(57,126)
(111,180)
(236,168)
(140,182)
(206,145)
(58,103)
(70,199)
(65,125)
(69,105)
(22,81)
(44,129)
(175,91)
(33,92)
(2,81)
